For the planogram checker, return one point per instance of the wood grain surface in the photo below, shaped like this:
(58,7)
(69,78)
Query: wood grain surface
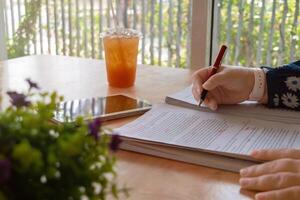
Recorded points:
(150,178)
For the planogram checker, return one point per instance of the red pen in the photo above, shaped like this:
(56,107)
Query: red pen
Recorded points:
(214,70)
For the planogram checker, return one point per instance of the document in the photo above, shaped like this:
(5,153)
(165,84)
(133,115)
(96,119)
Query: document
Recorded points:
(222,139)
(252,109)
(212,132)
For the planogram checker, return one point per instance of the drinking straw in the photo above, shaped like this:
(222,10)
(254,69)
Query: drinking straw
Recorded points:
(115,19)
(116,24)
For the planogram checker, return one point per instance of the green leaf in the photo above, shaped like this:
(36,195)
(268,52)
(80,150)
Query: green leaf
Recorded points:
(27,157)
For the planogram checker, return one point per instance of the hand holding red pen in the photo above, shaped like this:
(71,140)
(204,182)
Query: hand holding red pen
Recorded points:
(214,70)
(230,85)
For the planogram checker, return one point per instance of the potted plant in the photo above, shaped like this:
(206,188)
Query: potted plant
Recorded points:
(43,160)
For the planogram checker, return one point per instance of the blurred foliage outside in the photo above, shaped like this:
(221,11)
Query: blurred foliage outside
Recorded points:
(243,34)
(285,31)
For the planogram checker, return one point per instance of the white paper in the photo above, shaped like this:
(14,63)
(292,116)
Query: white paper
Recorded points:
(245,109)
(210,131)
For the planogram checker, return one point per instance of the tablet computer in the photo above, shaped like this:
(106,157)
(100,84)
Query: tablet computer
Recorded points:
(104,108)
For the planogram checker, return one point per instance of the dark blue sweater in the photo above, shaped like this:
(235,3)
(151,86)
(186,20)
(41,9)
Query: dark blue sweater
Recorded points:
(284,86)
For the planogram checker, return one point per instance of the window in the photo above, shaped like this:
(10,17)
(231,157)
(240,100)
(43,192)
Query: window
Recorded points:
(258,32)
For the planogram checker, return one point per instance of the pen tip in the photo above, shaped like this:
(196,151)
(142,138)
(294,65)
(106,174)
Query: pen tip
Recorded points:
(200,102)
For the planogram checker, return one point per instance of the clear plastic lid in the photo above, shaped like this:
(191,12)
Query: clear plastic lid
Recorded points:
(121,33)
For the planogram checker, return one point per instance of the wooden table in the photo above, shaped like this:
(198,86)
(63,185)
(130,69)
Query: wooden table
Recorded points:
(149,177)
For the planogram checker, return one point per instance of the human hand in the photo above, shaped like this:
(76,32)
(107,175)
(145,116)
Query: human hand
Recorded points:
(230,85)
(277,179)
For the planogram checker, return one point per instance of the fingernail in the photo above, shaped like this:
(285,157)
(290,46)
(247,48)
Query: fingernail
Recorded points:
(243,172)
(244,182)
(259,197)
(254,153)
(214,107)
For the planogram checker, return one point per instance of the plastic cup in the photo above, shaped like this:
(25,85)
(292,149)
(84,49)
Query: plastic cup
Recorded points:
(121,50)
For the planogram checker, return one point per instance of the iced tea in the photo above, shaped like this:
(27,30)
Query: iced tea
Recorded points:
(121,49)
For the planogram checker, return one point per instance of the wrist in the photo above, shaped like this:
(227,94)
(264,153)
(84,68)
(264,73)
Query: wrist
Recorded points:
(264,99)
(259,88)
(250,81)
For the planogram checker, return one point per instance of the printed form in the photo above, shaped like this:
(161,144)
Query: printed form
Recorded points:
(189,128)
(245,109)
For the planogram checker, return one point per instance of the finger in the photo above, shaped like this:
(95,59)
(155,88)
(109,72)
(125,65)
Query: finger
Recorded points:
(211,102)
(202,74)
(282,165)
(273,154)
(291,193)
(214,81)
(271,181)
(196,90)
(198,78)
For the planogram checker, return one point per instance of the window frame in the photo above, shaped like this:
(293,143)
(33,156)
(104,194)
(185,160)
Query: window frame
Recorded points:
(201,34)
(3,51)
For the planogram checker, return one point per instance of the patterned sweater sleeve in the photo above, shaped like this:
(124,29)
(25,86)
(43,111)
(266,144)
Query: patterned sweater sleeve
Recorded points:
(284,86)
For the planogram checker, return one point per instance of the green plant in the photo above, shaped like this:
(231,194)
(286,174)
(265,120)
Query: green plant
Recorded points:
(43,160)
